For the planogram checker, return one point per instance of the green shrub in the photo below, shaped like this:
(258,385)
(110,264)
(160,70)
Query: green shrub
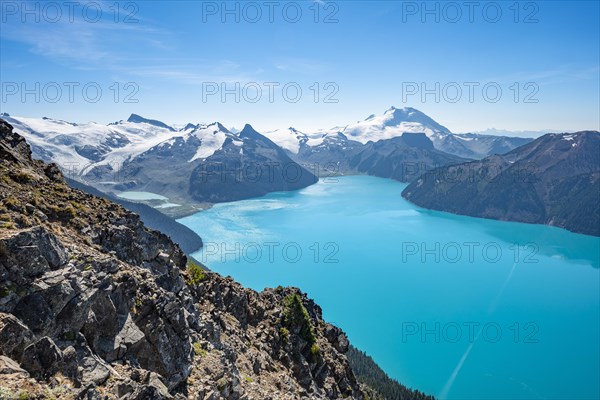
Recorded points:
(23,395)
(315,352)
(285,334)
(198,350)
(69,212)
(64,214)
(296,315)
(195,273)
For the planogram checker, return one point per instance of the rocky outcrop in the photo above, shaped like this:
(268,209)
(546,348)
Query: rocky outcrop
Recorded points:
(94,305)
(188,240)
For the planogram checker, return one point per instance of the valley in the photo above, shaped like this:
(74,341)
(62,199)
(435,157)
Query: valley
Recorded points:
(299,200)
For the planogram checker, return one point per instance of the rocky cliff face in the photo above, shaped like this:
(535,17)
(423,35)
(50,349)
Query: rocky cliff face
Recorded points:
(94,305)
(554,180)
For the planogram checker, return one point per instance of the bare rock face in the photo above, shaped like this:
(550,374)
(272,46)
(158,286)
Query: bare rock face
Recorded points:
(94,305)
(30,254)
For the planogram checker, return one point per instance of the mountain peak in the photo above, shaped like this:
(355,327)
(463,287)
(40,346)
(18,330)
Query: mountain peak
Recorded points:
(189,126)
(222,128)
(248,132)
(247,129)
(403,110)
(135,118)
(392,123)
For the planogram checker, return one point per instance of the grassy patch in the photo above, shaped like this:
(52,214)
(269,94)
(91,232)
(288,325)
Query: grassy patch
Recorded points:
(7,225)
(64,214)
(22,177)
(198,350)
(11,202)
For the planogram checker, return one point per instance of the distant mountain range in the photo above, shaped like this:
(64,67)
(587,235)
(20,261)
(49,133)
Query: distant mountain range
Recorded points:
(554,180)
(523,134)
(198,163)
(391,124)
(207,163)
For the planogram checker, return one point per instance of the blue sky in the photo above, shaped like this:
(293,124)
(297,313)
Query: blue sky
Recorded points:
(174,58)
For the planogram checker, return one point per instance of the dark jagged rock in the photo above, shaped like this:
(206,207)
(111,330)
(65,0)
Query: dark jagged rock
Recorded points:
(42,358)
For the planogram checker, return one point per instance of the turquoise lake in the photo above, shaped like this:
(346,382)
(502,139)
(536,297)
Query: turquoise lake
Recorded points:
(457,307)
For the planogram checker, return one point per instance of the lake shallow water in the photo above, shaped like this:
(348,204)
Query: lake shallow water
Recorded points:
(458,307)
(141,196)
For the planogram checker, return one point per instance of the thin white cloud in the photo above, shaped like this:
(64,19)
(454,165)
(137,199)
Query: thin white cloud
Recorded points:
(301,66)
(78,42)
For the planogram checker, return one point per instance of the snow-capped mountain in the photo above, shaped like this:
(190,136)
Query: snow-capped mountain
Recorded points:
(524,134)
(212,164)
(84,147)
(201,140)
(393,123)
(293,140)
(388,145)
(134,118)
(148,155)
(289,139)
(145,154)
(81,146)
(480,145)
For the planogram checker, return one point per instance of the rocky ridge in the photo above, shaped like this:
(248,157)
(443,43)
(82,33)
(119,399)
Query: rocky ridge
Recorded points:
(94,305)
